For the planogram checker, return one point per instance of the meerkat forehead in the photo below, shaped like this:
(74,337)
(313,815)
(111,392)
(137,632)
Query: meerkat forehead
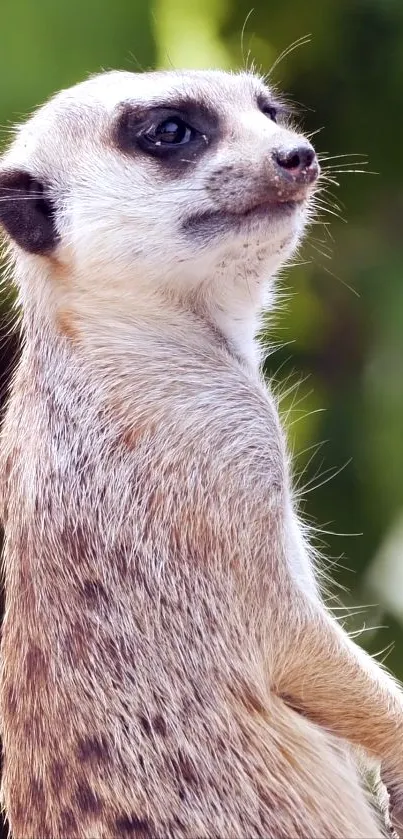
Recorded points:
(82,114)
(213,87)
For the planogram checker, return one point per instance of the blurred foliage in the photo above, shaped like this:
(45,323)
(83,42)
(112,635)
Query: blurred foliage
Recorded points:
(342,327)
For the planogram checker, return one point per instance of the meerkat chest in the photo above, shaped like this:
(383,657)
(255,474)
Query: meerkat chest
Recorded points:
(188,464)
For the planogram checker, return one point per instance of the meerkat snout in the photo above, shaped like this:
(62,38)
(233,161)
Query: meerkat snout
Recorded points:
(297,164)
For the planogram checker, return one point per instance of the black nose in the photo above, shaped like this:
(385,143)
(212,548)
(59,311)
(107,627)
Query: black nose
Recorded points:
(298,161)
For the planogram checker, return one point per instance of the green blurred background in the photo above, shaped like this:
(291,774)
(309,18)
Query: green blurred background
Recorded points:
(341,327)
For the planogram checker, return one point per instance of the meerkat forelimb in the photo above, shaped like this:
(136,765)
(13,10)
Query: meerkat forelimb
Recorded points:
(317,658)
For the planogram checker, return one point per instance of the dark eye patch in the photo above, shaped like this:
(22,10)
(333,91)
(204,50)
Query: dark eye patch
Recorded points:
(137,130)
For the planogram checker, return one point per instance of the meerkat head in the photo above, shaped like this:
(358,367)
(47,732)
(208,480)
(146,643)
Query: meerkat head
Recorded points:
(166,180)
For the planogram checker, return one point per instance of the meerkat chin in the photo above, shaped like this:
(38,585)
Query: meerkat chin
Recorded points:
(168,667)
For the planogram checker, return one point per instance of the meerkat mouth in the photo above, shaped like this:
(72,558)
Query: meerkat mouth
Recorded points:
(272,207)
(217,221)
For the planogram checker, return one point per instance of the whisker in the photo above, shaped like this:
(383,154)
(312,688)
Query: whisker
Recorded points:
(316,448)
(318,205)
(357,632)
(323,156)
(335,171)
(246,21)
(318,250)
(30,197)
(305,415)
(327,179)
(343,282)
(328,191)
(385,652)
(329,199)
(327,248)
(334,472)
(300,42)
(313,133)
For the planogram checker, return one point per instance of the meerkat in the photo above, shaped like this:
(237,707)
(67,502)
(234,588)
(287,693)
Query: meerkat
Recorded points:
(168,666)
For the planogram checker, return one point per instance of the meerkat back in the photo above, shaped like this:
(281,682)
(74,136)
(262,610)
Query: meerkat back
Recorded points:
(156,578)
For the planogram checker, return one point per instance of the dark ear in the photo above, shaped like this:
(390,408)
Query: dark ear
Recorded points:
(26,212)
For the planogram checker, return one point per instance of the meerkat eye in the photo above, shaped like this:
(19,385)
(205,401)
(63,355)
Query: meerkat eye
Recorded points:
(171,132)
(269,111)
(275,110)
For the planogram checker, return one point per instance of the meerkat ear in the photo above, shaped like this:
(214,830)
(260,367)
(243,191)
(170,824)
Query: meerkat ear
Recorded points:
(26,212)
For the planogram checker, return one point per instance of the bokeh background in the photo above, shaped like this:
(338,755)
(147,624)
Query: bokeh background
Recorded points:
(340,330)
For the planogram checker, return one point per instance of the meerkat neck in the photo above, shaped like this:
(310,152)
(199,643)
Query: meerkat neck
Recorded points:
(214,304)
(232,299)
(196,321)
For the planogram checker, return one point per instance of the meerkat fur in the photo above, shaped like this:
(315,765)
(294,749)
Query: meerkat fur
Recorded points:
(168,667)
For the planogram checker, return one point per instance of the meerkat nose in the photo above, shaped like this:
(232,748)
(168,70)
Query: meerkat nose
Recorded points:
(298,162)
